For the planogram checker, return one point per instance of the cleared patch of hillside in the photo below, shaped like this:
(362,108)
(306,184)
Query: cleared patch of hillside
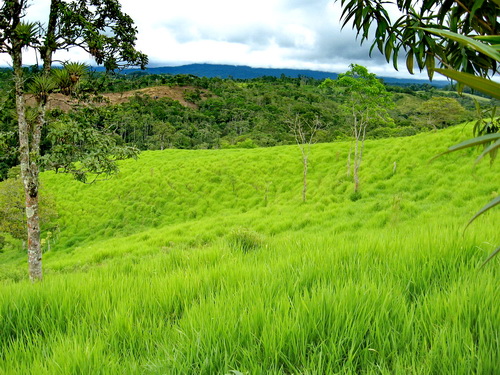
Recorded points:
(173,92)
(65,103)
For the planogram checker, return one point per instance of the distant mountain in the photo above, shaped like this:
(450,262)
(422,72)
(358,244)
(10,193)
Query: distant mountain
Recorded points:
(247,72)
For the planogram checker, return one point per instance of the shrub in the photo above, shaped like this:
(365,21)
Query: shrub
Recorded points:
(355,196)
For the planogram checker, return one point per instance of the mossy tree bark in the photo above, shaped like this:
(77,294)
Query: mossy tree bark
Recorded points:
(29,152)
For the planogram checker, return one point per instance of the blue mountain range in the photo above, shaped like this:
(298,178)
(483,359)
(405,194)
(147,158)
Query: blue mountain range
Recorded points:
(247,72)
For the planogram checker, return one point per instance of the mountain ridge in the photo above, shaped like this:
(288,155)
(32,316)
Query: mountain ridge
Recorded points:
(248,72)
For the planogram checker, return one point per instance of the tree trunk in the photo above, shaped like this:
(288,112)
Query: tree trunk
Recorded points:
(304,188)
(29,150)
(359,131)
(357,134)
(357,161)
(50,38)
(358,152)
(348,166)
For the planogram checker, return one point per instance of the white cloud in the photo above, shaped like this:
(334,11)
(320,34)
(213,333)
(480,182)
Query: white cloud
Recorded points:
(261,33)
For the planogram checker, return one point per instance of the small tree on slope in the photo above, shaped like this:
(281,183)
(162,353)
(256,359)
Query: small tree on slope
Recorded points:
(365,100)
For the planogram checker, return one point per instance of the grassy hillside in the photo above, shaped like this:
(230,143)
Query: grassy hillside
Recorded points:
(208,262)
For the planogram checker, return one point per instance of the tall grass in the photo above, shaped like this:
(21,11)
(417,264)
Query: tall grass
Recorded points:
(207,262)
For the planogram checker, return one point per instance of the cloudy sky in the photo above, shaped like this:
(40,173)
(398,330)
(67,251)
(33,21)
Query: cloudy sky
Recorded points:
(303,34)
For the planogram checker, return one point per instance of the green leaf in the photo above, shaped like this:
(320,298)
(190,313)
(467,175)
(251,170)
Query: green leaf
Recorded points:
(395,59)
(492,255)
(476,6)
(409,62)
(430,65)
(475,142)
(490,149)
(484,85)
(388,49)
(487,207)
(469,42)
(470,143)
(493,39)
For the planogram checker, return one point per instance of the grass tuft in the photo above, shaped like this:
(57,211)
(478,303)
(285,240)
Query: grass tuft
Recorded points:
(244,239)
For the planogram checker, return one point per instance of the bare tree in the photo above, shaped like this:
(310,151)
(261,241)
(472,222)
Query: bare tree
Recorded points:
(304,133)
(365,101)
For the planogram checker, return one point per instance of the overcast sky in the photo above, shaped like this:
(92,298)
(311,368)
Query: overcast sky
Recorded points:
(302,34)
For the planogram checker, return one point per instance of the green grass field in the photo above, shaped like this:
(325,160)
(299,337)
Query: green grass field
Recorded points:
(208,262)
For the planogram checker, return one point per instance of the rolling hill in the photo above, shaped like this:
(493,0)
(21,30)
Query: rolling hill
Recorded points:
(208,262)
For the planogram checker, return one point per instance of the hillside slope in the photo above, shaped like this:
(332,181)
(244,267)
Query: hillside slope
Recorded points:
(255,187)
(204,262)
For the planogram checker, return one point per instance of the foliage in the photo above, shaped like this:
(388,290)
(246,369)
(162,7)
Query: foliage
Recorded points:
(486,123)
(363,95)
(8,153)
(230,112)
(365,102)
(97,26)
(12,209)
(489,130)
(411,32)
(441,112)
(41,86)
(83,151)
(69,78)
(488,47)
(243,113)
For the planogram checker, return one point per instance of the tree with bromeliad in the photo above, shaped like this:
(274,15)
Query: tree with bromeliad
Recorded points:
(106,33)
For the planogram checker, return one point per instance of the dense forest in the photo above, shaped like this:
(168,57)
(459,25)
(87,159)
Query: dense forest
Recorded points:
(187,112)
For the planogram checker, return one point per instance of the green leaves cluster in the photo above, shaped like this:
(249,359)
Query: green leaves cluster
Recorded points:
(485,45)
(84,151)
(65,80)
(463,36)
(410,33)
(362,95)
(487,129)
(99,27)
